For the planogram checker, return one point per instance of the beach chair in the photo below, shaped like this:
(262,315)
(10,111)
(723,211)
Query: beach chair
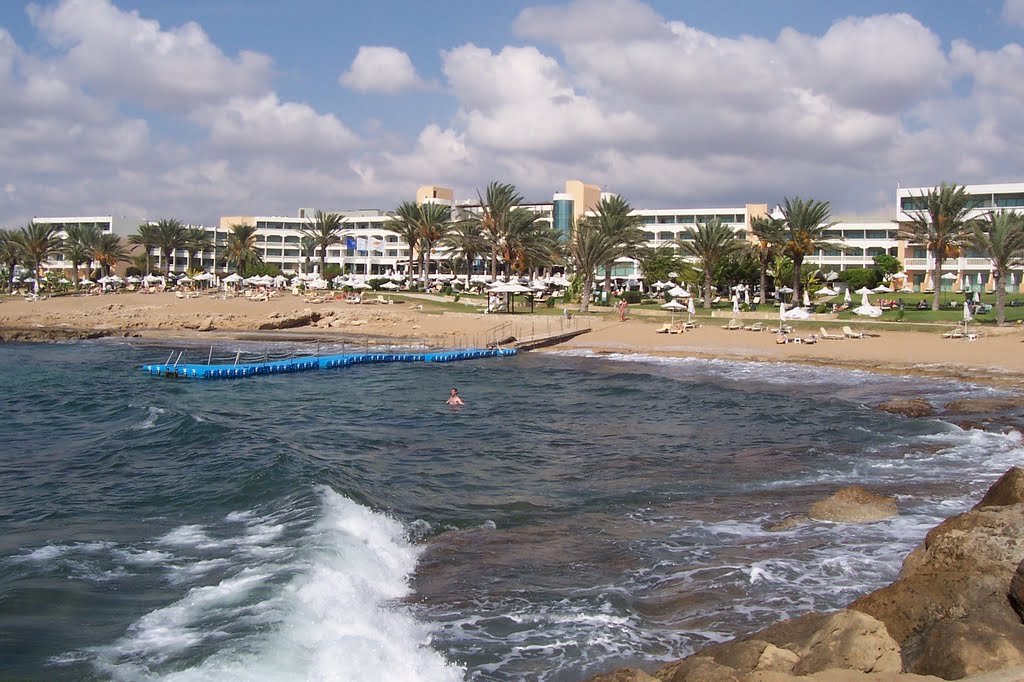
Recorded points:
(733,324)
(663,329)
(831,337)
(678,328)
(756,327)
(957,333)
(850,334)
(179,294)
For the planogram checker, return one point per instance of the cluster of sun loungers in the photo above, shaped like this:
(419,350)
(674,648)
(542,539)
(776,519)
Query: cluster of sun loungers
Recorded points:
(677,328)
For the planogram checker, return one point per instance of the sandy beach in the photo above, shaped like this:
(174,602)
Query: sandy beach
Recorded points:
(994,358)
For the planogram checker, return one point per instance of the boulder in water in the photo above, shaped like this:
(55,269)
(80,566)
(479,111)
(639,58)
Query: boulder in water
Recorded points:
(912,407)
(982,405)
(1009,489)
(854,505)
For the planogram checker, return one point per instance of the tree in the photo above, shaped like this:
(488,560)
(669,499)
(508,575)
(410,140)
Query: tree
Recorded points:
(197,240)
(10,255)
(887,265)
(79,247)
(496,205)
(240,248)
(709,244)
(467,239)
(856,278)
(612,216)
(38,242)
(307,247)
(108,251)
(658,262)
(528,244)
(939,224)
(170,236)
(434,221)
(769,233)
(805,231)
(148,238)
(406,225)
(325,230)
(589,248)
(1000,237)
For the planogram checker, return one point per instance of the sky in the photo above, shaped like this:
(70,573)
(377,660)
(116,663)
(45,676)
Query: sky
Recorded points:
(201,108)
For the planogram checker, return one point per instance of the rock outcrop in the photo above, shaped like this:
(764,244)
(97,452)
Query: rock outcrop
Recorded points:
(982,405)
(854,505)
(908,407)
(290,320)
(955,612)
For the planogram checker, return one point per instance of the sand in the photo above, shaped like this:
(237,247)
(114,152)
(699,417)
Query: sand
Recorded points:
(994,358)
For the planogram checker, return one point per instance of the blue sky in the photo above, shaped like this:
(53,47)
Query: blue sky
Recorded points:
(198,109)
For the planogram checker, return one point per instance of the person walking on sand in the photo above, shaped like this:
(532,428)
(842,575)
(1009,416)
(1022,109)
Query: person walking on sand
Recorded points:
(454,398)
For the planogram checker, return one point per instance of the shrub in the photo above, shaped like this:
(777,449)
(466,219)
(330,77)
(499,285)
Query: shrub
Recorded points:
(377,282)
(632,297)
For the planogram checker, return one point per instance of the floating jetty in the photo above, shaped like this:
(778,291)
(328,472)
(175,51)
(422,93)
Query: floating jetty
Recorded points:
(308,363)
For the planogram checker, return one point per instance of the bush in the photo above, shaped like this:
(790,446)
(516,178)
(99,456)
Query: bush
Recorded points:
(856,278)
(377,282)
(133,271)
(632,297)
(550,303)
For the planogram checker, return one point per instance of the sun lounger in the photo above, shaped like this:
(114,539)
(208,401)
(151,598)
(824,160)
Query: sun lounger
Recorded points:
(663,329)
(957,333)
(733,324)
(831,337)
(850,334)
(756,327)
(678,328)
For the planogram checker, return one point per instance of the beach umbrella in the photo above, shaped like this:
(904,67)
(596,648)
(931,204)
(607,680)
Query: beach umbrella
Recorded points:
(865,309)
(690,309)
(102,280)
(746,295)
(825,291)
(86,282)
(796,314)
(782,314)
(233,278)
(736,303)
(63,280)
(390,286)
(807,299)
(864,291)
(673,305)
(678,292)
(846,296)
(784,290)
(949,275)
(882,289)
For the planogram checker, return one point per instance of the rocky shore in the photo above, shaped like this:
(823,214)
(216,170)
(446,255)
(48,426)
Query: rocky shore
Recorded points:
(954,612)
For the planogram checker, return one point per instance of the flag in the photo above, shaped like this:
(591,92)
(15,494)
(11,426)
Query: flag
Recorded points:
(350,243)
(361,243)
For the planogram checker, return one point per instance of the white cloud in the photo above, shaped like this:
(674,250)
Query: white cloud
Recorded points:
(1013,12)
(265,124)
(381,69)
(123,55)
(589,20)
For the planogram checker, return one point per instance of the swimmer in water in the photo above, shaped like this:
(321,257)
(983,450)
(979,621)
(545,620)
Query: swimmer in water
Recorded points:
(454,398)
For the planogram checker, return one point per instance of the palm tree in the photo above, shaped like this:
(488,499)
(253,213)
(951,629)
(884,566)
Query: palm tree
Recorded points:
(1000,237)
(941,226)
(170,236)
(38,242)
(406,225)
(710,243)
(805,231)
(147,237)
(79,246)
(528,244)
(500,199)
(240,248)
(10,255)
(325,230)
(768,231)
(589,249)
(197,240)
(434,222)
(307,247)
(467,239)
(614,219)
(108,250)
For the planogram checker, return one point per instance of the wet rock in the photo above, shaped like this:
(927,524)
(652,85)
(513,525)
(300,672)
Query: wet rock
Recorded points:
(912,407)
(854,505)
(1009,489)
(789,523)
(206,325)
(289,321)
(982,405)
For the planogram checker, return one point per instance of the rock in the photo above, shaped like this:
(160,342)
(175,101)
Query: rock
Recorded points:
(852,641)
(206,325)
(956,650)
(292,320)
(1017,590)
(982,405)
(789,523)
(624,675)
(912,407)
(700,669)
(1009,489)
(854,505)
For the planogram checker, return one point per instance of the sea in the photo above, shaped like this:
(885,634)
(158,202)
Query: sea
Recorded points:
(580,513)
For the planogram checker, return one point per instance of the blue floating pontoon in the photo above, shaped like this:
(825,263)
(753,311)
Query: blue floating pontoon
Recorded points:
(308,363)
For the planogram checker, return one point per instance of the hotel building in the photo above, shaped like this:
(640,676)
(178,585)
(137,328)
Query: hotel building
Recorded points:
(369,248)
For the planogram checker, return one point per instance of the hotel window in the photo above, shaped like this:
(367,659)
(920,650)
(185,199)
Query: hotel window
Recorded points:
(913,203)
(648,220)
(877,234)
(855,252)
(649,236)
(666,219)
(876,252)
(273,252)
(392,239)
(1010,201)
(919,252)
(392,253)
(854,234)
(833,252)
(291,239)
(668,236)
(291,253)
(688,219)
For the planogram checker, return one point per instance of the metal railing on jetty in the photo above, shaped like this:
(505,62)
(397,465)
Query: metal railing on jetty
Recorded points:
(242,363)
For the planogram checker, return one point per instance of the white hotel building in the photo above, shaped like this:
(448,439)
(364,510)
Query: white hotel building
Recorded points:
(380,251)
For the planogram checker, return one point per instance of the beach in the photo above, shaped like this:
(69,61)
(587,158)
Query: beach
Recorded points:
(994,358)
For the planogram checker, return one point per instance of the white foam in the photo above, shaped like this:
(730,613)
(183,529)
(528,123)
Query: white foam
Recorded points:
(335,616)
(150,421)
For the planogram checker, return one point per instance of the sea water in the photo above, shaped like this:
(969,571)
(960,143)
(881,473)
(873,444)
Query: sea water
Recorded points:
(578,513)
